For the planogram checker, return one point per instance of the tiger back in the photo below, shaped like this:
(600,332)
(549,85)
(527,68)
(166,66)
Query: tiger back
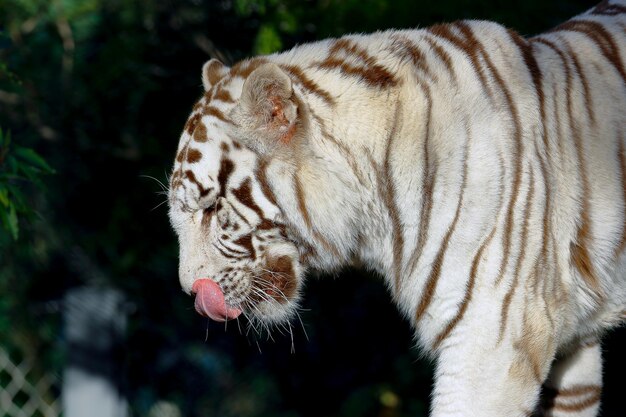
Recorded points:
(483,174)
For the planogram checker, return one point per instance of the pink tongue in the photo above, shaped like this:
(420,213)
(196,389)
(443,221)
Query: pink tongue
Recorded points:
(210,301)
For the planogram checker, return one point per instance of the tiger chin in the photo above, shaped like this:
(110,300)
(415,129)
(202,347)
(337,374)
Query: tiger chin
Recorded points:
(481,173)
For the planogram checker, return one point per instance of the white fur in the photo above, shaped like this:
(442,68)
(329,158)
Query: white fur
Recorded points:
(484,367)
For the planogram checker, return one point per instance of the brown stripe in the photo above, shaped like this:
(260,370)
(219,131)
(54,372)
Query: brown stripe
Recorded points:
(579,252)
(388,194)
(431,283)
(546,219)
(369,75)
(226,255)
(245,242)
(504,316)
(226,168)
(244,195)
(578,406)
(597,33)
(622,168)
(559,286)
(261,175)
(532,348)
(244,68)
(183,153)
(468,293)
(304,212)
(578,390)
(370,72)
(192,178)
(192,122)
(428,185)
(533,68)
(200,133)
(568,88)
(516,155)
(344,150)
(238,252)
(308,84)
(443,56)
(235,226)
(352,49)
(586,91)
(406,50)
(215,112)
(307,220)
(193,155)
(526,49)
(470,46)
(222,94)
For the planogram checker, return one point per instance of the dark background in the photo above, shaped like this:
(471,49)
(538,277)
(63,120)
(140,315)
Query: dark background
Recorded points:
(101,89)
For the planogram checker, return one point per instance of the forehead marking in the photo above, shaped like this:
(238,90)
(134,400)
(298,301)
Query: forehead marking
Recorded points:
(191,124)
(200,134)
(217,113)
(222,94)
(193,155)
(182,153)
(226,168)
(244,195)
(192,178)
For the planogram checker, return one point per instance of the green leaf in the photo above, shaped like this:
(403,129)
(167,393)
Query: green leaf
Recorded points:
(267,41)
(5,138)
(14,227)
(4,196)
(34,159)
(32,174)
(18,201)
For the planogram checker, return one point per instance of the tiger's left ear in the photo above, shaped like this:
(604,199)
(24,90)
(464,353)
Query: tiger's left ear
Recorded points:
(212,71)
(268,108)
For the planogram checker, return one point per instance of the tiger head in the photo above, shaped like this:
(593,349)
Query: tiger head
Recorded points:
(238,252)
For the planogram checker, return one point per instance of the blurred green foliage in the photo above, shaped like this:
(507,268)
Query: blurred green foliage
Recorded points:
(105,88)
(18,167)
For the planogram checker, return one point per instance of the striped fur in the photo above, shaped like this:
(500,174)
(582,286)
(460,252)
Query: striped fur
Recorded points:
(482,173)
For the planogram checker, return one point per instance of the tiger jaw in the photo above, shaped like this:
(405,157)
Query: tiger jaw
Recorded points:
(268,292)
(266,288)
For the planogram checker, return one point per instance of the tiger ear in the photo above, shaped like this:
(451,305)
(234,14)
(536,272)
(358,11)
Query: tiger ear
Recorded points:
(268,108)
(212,71)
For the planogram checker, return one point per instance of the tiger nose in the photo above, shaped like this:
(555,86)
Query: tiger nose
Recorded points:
(210,301)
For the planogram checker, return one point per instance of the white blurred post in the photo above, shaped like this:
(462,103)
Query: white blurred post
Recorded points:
(95,321)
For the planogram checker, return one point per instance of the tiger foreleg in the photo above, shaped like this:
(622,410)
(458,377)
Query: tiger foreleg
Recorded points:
(494,386)
(493,365)
(574,386)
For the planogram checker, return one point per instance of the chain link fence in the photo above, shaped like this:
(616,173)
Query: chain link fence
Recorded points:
(24,393)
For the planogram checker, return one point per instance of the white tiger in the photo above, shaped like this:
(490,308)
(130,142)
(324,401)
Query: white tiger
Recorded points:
(483,174)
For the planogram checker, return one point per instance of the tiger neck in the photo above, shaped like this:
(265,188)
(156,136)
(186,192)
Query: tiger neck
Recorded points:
(351,191)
